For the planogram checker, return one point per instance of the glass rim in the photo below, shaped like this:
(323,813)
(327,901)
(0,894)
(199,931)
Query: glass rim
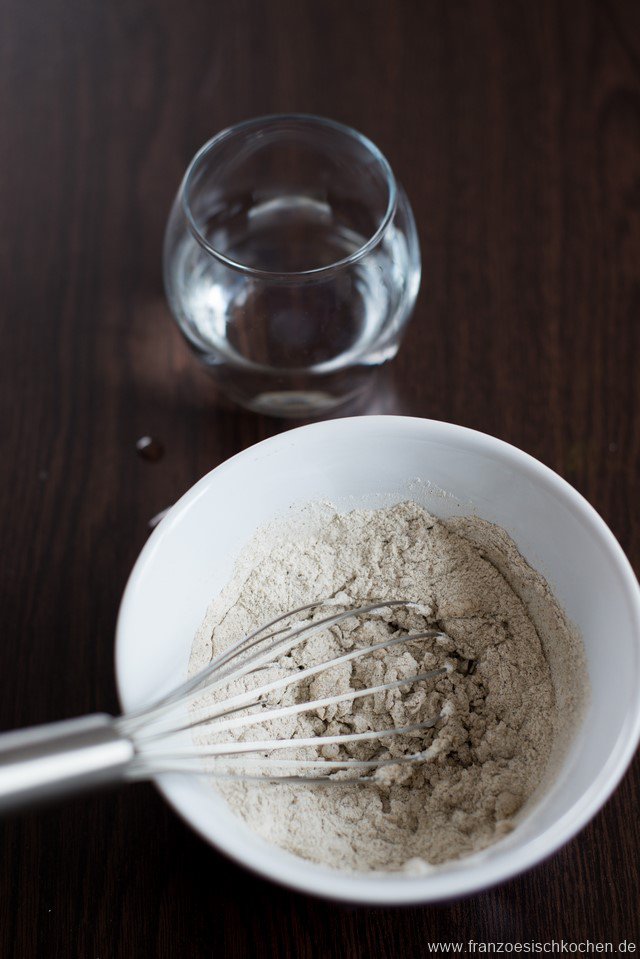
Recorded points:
(270,119)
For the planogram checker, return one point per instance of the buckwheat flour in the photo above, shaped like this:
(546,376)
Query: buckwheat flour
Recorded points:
(505,712)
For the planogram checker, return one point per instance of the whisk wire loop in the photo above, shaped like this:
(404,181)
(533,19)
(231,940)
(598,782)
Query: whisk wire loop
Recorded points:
(159,730)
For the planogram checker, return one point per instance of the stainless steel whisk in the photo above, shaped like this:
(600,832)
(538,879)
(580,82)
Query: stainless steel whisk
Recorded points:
(43,762)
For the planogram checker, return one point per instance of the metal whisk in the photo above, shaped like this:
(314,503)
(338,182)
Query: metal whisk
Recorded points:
(63,758)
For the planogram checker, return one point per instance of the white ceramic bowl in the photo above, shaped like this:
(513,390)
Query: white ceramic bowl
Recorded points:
(372,461)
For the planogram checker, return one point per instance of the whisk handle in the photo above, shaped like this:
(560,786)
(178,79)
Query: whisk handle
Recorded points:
(48,762)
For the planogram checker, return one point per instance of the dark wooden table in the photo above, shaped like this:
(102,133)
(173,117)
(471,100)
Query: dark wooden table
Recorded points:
(515,129)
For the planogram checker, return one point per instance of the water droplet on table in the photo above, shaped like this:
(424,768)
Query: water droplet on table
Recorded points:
(150,449)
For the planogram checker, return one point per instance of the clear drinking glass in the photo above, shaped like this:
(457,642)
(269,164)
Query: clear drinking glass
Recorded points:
(291,262)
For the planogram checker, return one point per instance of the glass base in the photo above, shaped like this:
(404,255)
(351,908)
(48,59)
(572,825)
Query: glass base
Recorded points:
(293,404)
(294,396)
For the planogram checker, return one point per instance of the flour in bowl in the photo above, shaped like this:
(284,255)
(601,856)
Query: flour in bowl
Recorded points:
(506,710)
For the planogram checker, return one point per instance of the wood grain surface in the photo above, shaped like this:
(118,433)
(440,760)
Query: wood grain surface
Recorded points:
(515,129)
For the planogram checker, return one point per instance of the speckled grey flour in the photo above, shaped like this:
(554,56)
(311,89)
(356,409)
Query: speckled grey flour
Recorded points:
(501,731)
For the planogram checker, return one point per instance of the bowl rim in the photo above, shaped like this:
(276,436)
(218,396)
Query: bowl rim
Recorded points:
(396,889)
